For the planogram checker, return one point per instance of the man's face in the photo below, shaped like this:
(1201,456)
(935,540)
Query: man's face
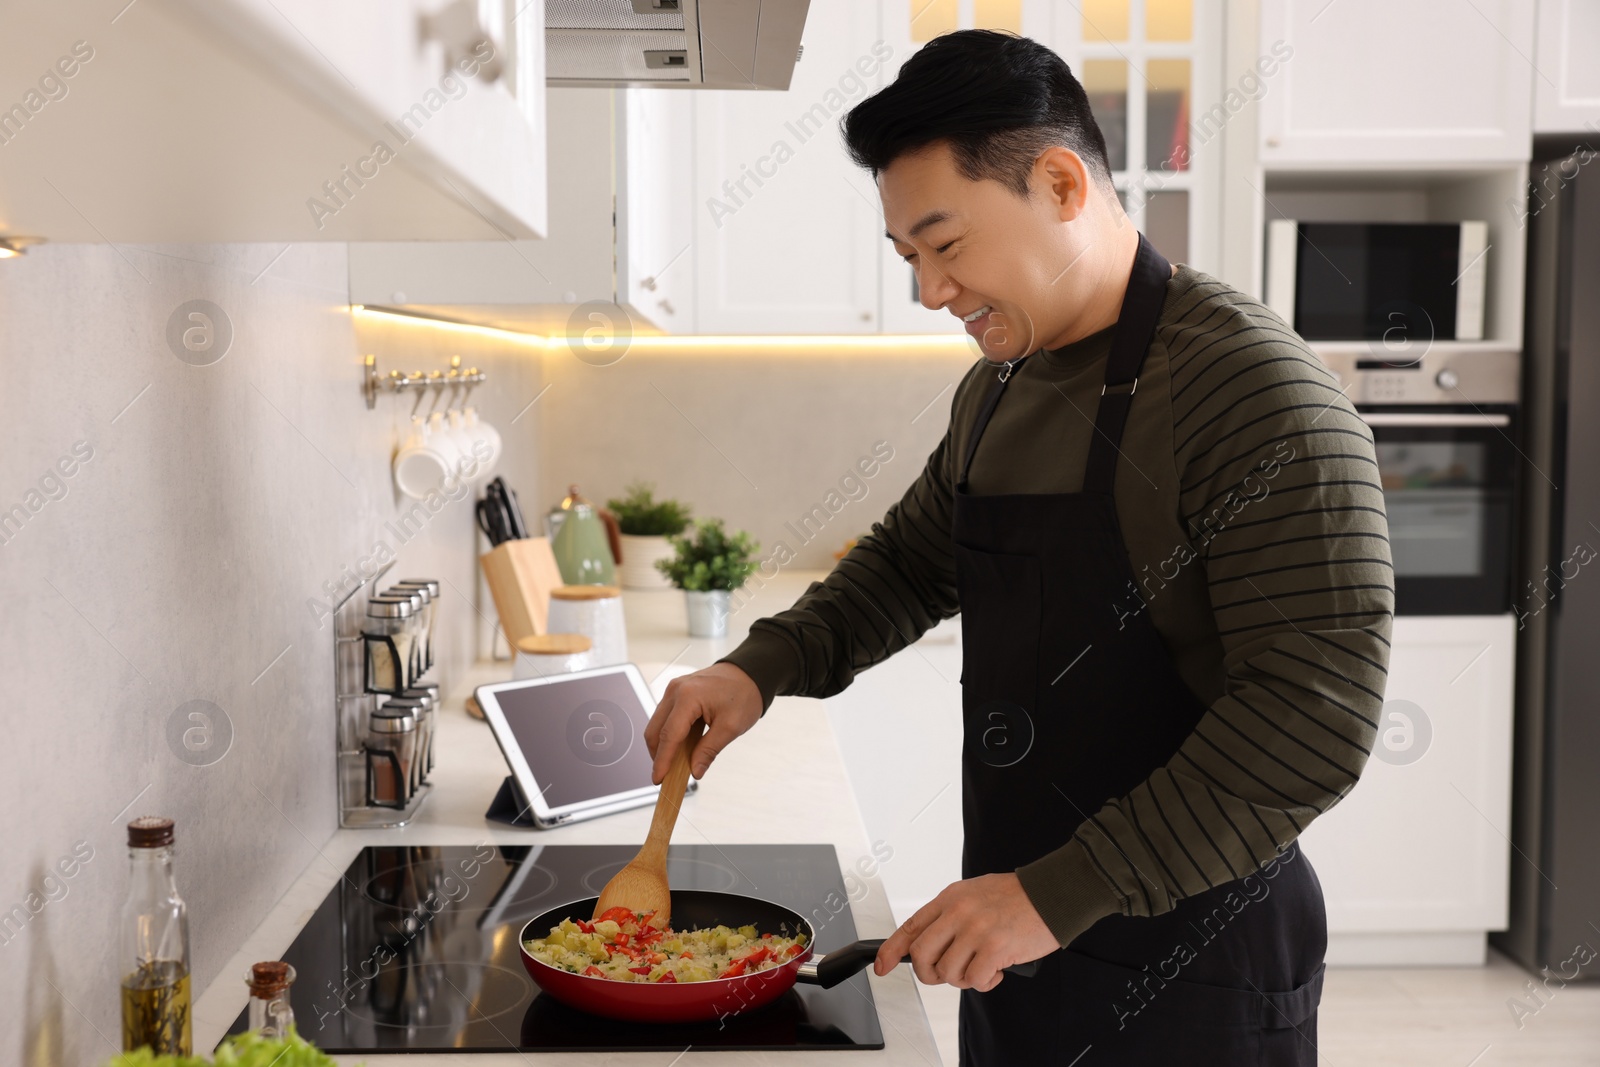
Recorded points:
(978,247)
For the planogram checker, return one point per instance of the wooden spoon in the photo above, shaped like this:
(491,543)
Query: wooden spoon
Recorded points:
(641,886)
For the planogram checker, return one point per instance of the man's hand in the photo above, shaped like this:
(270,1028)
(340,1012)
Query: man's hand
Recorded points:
(721,694)
(969,933)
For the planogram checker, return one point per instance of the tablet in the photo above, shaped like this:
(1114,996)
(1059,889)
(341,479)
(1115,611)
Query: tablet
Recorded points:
(575,742)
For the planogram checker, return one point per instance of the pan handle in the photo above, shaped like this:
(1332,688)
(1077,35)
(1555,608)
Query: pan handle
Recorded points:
(829,969)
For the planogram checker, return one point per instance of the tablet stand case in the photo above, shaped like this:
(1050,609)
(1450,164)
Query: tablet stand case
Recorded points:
(508,806)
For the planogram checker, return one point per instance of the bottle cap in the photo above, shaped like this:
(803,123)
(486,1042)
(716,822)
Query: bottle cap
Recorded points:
(388,607)
(415,595)
(150,831)
(430,584)
(269,978)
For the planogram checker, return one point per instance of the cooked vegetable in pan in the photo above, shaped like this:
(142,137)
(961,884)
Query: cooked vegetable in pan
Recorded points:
(624,947)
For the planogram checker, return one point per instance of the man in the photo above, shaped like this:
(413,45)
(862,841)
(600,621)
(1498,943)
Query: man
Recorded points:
(1161,522)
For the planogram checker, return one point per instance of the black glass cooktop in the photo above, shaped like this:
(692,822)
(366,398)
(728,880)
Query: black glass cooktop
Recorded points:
(415,950)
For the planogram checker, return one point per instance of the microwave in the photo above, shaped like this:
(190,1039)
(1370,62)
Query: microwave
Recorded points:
(1390,281)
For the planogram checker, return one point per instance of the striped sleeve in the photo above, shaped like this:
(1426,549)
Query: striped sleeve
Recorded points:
(894,584)
(1281,497)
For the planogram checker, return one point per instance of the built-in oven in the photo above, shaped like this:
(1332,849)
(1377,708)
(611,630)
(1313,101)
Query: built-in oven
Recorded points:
(1445,428)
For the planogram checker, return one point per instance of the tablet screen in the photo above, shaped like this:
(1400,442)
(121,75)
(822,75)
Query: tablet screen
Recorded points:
(583,738)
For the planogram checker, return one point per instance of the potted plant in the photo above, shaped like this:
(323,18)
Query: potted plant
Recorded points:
(645,524)
(708,563)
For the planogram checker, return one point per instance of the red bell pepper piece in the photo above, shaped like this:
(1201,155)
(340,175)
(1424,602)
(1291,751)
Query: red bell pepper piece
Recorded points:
(736,968)
(640,970)
(618,915)
(668,976)
(594,972)
(587,928)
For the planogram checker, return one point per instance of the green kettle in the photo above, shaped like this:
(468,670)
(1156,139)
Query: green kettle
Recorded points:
(582,544)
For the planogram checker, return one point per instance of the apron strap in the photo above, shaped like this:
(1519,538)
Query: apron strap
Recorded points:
(1136,325)
(982,421)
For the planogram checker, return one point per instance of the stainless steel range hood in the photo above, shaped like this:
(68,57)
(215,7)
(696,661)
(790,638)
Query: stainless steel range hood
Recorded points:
(684,44)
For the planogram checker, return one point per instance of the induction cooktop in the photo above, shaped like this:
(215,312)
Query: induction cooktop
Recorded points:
(415,950)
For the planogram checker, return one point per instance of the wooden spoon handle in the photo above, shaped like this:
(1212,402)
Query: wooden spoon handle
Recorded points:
(670,800)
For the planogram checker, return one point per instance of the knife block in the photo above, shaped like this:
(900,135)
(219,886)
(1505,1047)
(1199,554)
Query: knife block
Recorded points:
(520,575)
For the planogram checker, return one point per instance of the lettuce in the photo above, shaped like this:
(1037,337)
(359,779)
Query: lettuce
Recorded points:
(242,1050)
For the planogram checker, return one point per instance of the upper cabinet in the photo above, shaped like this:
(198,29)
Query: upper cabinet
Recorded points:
(273,120)
(597,136)
(655,251)
(1374,82)
(1566,83)
(620,231)
(786,228)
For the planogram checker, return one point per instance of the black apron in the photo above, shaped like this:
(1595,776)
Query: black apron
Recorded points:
(1070,699)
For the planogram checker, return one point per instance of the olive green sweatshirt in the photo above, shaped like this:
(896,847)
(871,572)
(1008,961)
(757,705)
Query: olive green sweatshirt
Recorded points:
(1248,493)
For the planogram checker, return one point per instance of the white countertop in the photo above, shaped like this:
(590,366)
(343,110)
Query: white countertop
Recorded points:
(738,802)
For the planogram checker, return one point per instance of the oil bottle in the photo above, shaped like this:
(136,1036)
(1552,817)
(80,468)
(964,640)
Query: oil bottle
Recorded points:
(155,946)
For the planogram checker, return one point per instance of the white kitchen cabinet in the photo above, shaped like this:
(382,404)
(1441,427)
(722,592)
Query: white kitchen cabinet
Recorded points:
(520,284)
(1374,82)
(655,207)
(1414,862)
(257,120)
(786,227)
(619,231)
(1566,85)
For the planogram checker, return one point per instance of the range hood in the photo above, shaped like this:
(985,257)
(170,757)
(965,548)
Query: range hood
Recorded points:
(684,44)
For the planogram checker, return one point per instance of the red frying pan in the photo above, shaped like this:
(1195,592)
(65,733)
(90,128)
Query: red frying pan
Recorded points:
(666,1002)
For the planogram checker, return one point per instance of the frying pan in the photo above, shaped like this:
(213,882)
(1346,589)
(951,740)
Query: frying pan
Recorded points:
(674,1002)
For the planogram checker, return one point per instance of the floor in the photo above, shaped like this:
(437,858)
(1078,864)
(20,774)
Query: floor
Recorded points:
(1421,1017)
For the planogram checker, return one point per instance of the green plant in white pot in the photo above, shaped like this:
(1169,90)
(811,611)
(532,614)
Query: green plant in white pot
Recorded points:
(645,524)
(708,564)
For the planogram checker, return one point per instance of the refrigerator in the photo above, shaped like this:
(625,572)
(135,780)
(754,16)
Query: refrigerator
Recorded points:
(1555,828)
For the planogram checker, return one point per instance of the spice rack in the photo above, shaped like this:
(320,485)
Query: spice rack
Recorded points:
(353,704)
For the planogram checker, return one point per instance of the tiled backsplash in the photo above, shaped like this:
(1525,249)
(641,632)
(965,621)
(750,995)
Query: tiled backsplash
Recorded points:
(803,448)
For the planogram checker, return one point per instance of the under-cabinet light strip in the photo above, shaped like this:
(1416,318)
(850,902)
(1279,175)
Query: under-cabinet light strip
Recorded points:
(694,341)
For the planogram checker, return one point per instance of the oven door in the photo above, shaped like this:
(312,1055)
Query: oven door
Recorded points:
(1448,474)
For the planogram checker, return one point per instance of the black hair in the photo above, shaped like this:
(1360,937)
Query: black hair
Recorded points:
(998,100)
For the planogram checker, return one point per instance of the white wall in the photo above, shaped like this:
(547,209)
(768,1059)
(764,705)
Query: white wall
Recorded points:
(177,566)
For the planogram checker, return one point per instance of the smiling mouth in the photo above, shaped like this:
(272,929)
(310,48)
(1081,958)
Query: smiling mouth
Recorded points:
(976,315)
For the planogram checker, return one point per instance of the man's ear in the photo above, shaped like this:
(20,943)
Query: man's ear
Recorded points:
(1062,178)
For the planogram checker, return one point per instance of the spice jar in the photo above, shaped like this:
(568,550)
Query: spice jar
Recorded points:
(270,1013)
(430,587)
(391,746)
(422,703)
(542,655)
(387,634)
(417,626)
(430,690)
